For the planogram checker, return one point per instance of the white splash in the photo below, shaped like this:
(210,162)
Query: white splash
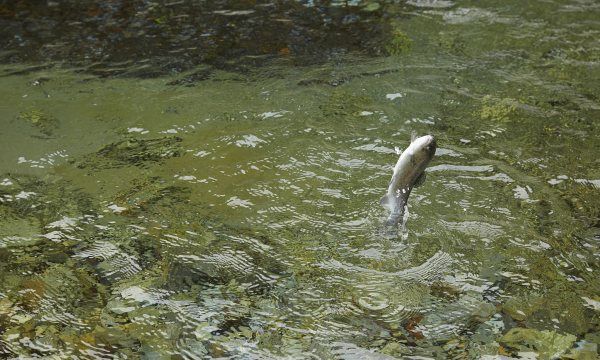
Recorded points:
(249,141)
(186,177)
(593,304)
(234,202)
(116,209)
(394,96)
(522,193)
(24,195)
(137,130)
(66,223)
(273,114)
(201,153)
(47,160)
(595,183)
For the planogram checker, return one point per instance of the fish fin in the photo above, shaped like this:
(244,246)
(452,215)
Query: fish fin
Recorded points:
(420,180)
(413,136)
(397,150)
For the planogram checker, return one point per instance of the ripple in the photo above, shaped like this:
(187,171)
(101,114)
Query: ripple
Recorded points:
(465,168)
(436,4)
(430,270)
(350,351)
(112,263)
(97,351)
(447,320)
(269,244)
(477,228)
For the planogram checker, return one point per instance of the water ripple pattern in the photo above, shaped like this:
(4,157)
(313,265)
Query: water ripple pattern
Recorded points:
(213,191)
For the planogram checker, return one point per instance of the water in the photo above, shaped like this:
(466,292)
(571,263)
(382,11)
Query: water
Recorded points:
(158,205)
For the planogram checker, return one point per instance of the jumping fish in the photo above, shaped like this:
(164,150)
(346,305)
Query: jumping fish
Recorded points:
(409,172)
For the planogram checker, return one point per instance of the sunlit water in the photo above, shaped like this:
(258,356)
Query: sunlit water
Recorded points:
(239,217)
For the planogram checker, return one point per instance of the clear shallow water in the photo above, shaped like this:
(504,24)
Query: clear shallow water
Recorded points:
(236,215)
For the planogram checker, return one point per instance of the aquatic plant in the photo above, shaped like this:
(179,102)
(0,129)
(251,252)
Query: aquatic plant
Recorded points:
(499,110)
(399,43)
(44,122)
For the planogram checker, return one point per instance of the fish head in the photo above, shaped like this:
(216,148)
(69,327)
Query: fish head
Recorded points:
(423,149)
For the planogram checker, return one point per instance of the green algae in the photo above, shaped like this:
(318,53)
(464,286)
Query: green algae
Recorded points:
(45,123)
(399,43)
(499,110)
(371,6)
(342,104)
(584,200)
(452,42)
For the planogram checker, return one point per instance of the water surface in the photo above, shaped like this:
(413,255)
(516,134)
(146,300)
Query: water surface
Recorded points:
(226,206)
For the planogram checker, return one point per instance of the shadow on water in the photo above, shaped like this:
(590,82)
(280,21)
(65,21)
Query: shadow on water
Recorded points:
(148,39)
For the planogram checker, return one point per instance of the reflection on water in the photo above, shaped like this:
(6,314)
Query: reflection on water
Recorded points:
(220,213)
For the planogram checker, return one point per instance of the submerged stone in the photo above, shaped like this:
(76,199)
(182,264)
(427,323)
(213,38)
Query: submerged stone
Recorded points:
(395,349)
(135,152)
(548,344)
(583,350)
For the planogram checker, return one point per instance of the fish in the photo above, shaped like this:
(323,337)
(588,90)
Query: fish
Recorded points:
(409,173)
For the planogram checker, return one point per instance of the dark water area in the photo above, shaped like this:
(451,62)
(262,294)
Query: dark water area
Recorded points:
(201,179)
(148,39)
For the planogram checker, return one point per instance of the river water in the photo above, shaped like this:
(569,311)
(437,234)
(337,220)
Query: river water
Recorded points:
(202,180)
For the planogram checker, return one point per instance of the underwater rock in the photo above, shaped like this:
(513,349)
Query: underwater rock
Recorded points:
(151,194)
(41,201)
(137,152)
(217,268)
(548,344)
(6,312)
(341,104)
(520,308)
(19,233)
(110,263)
(395,349)
(583,350)
(457,348)
(119,307)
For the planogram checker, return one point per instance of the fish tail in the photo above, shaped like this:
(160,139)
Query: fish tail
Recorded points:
(396,212)
(395,217)
(388,201)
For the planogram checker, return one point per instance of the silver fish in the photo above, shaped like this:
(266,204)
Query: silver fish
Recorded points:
(409,172)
